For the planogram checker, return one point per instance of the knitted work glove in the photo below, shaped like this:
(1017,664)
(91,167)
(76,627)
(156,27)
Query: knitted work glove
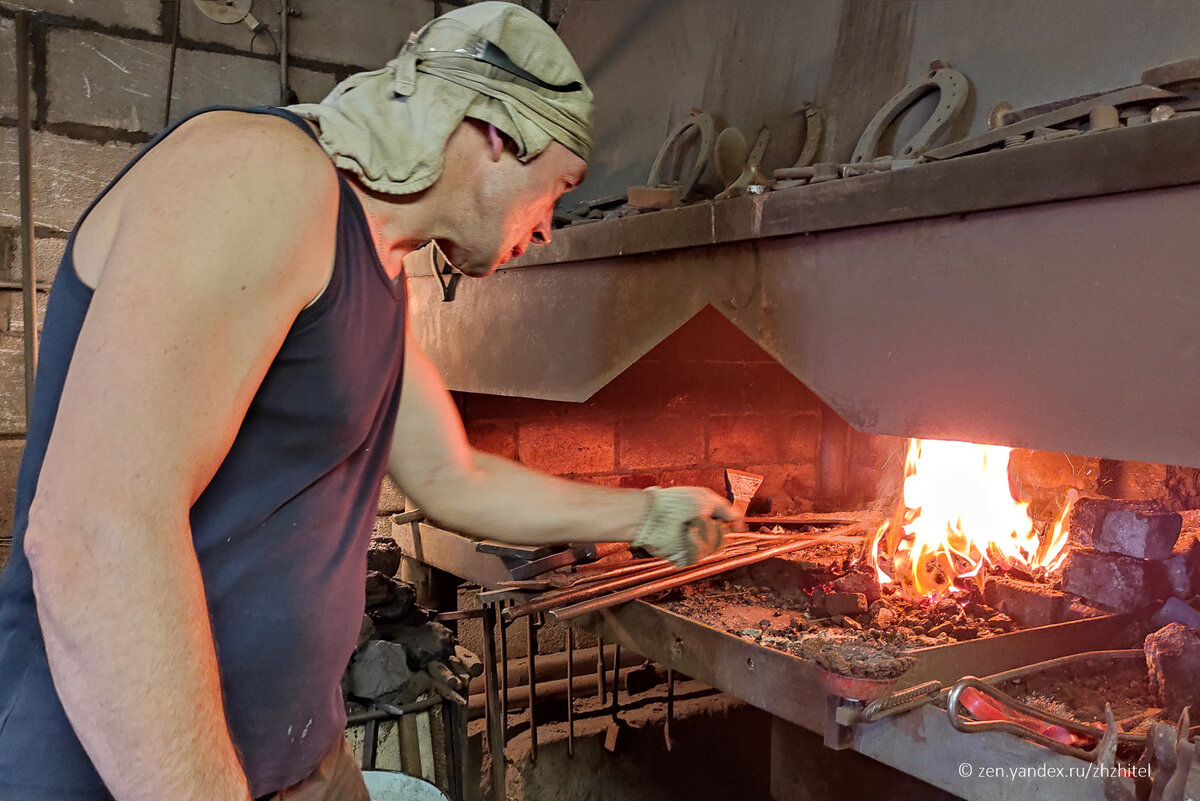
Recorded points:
(682,524)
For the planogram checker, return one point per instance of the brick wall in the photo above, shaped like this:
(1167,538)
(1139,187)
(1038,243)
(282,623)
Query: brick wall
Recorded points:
(706,398)
(99,71)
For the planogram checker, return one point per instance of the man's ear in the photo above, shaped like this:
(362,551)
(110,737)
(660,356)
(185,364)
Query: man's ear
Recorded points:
(495,142)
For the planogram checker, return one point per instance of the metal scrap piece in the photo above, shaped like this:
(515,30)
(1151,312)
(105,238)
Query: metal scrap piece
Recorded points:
(953,87)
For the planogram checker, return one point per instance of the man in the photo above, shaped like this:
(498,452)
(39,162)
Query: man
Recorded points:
(225,377)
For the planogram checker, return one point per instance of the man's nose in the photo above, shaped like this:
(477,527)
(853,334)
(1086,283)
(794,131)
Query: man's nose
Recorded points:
(541,235)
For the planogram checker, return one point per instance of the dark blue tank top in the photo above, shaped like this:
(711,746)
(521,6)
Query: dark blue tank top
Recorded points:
(281,531)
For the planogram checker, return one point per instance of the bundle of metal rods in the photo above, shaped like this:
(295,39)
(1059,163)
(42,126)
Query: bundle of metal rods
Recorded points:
(629,582)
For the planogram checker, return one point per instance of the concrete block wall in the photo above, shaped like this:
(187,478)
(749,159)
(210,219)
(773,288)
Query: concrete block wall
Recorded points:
(704,399)
(99,72)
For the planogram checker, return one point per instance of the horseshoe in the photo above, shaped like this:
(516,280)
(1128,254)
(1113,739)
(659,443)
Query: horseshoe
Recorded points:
(814,130)
(704,124)
(952,86)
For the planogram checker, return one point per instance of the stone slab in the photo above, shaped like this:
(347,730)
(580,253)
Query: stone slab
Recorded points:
(1115,581)
(1183,566)
(67,175)
(142,15)
(107,81)
(379,667)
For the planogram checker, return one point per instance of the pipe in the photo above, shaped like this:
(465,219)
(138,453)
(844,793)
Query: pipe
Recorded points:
(171,62)
(25,173)
(284,92)
(694,574)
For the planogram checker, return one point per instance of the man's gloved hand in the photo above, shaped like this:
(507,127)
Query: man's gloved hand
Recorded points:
(682,524)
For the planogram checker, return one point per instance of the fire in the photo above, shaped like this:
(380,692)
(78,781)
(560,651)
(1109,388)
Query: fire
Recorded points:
(956,514)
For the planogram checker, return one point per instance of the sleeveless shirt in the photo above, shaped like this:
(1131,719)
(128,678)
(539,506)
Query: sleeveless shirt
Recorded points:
(280,532)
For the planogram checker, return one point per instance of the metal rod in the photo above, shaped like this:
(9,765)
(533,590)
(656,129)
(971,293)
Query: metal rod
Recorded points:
(25,179)
(370,743)
(171,62)
(390,712)
(616,686)
(531,642)
(600,683)
(503,668)
(550,600)
(688,576)
(570,691)
(670,707)
(495,726)
(284,93)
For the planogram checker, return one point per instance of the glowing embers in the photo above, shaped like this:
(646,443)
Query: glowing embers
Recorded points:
(956,515)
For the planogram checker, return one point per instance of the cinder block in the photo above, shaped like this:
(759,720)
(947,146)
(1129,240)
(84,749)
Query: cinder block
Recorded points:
(12,384)
(744,438)
(8,69)
(143,15)
(391,499)
(16,311)
(10,463)
(311,86)
(498,437)
(1118,582)
(1029,604)
(102,80)
(1141,529)
(663,441)
(1183,566)
(357,32)
(568,447)
(215,79)
(47,254)
(67,176)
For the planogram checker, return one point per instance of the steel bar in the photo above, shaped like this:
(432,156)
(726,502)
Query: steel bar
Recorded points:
(600,684)
(901,701)
(503,667)
(546,602)
(531,645)
(495,724)
(25,180)
(370,743)
(616,686)
(390,712)
(284,92)
(694,574)
(570,691)
(670,707)
(1050,664)
(171,62)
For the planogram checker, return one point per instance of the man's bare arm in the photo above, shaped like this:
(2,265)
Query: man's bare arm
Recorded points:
(487,495)
(205,252)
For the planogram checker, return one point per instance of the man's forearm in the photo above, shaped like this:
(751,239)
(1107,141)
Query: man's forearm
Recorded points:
(131,653)
(509,501)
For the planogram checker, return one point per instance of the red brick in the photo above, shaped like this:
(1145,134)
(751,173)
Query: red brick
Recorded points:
(711,477)
(670,441)
(801,434)
(639,390)
(771,388)
(785,487)
(734,439)
(477,406)
(568,447)
(624,480)
(496,437)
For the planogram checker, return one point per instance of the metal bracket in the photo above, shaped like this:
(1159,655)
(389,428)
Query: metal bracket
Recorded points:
(445,273)
(952,86)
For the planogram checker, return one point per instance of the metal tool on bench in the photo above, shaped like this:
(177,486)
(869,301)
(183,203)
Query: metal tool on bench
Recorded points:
(588,552)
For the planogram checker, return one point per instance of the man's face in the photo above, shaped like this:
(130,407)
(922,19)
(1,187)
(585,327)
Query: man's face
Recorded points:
(510,206)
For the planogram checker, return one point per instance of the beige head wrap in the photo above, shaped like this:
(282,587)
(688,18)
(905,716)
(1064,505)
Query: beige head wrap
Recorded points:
(494,61)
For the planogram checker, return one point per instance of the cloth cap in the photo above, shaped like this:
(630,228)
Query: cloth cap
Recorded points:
(493,61)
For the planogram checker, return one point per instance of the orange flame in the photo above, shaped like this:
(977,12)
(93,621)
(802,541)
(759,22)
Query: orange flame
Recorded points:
(955,516)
